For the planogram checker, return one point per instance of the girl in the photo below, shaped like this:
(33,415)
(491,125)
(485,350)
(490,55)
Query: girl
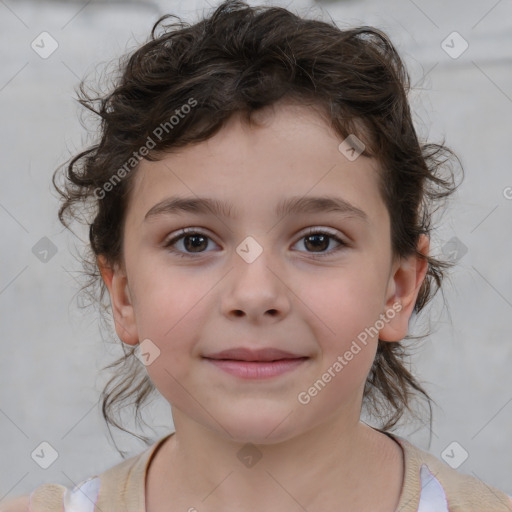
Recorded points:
(261,218)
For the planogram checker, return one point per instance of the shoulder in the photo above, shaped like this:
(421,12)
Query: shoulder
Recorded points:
(45,497)
(57,498)
(83,497)
(122,487)
(19,504)
(429,482)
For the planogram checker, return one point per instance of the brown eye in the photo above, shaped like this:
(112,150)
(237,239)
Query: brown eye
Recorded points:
(195,243)
(317,243)
(188,242)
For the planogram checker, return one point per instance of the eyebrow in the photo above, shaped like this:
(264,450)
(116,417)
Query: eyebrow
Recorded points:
(293,205)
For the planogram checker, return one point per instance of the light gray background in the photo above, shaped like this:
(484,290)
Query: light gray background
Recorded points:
(52,351)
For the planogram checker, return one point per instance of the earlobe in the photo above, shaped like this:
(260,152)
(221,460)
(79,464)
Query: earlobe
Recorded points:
(116,282)
(404,286)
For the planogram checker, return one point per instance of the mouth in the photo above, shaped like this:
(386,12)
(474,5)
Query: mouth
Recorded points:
(251,355)
(256,364)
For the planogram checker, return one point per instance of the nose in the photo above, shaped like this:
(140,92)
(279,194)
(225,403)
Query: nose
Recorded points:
(256,291)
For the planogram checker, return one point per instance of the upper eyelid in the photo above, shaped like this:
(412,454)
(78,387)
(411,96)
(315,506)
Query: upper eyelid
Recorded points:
(204,231)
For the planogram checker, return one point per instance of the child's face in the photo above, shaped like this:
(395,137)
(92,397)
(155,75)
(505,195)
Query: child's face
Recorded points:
(219,297)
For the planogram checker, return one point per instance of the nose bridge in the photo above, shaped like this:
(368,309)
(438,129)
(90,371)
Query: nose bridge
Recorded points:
(254,287)
(253,263)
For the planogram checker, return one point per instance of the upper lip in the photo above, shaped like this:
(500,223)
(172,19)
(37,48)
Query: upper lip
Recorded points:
(247,354)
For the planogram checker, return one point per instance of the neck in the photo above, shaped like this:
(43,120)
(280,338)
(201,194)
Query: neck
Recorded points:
(337,465)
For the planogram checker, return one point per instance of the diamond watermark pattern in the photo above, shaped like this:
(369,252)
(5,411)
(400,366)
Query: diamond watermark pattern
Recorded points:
(454,45)
(249,249)
(454,249)
(249,455)
(44,250)
(454,455)
(146,352)
(44,45)
(352,147)
(45,455)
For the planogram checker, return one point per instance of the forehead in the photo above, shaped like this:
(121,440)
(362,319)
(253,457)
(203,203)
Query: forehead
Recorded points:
(290,152)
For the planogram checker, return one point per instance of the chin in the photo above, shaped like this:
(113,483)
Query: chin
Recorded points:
(260,428)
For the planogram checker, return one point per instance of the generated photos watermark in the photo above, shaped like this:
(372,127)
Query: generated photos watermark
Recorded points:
(305,397)
(143,151)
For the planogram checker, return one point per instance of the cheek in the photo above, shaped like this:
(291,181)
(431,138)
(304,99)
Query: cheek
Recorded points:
(341,380)
(165,298)
(172,309)
(344,302)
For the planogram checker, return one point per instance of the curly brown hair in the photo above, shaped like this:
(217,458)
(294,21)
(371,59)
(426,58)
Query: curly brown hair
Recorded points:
(238,60)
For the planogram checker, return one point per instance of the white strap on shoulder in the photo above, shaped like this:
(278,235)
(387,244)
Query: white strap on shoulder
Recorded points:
(83,497)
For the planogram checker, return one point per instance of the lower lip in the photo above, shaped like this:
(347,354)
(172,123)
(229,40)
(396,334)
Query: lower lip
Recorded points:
(255,369)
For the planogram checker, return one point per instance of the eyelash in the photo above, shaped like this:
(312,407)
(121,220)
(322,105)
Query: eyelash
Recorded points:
(311,231)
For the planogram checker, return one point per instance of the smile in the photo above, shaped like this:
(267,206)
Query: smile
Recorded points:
(257,369)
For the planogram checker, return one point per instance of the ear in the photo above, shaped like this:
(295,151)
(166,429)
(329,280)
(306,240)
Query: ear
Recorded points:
(403,287)
(122,308)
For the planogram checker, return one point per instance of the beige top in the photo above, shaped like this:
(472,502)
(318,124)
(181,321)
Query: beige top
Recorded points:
(429,486)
